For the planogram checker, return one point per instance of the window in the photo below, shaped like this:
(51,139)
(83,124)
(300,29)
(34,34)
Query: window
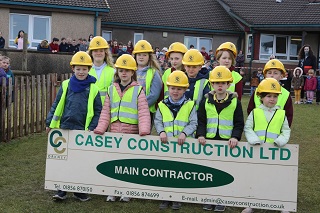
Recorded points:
(38,28)
(107,35)
(249,46)
(198,42)
(282,47)
(137,37)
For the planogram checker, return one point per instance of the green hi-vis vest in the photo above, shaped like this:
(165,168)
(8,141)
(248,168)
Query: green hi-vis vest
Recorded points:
(105,80)
(198,91)
(222,121)
(164,80)
(268,131)
(282,98)
(174,126)
(55,122)
(149,77)
(236,78)
(124,109)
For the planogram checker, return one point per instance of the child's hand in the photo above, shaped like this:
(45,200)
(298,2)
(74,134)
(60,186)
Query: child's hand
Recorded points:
(202,140)
(48,129)
(181,138)
(163,137)
(98,132)
(233,142)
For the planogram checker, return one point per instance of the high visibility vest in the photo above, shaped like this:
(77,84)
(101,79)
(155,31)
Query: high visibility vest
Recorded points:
(149,77)
(268,131)
(282,98)
(222,121)
(164,80)
(174,126)
(124,109)
(198,91)
(105,80)
(55,122)
(236,78)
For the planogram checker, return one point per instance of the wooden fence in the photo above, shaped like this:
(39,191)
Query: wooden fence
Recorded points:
(25,105)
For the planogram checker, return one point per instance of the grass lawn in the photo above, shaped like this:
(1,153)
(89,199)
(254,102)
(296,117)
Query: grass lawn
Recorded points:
(22,171)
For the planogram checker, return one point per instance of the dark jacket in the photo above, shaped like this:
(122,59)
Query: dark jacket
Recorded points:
(43,49)
(309,61)
(3,74)
(192,82)
(64,47)
(238,120)
(318,83)
(75,110)
(2,42)
(240,60)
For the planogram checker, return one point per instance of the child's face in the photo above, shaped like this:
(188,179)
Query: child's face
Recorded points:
(259,71)
(225,59)
(270,100)
(55,42)
(220,87)
(5,63)
(310,74)
(81,72)
(142,59)
(192,71)
(298,72)
(125,75)
(176,93)
(274,73)
(176,60)
(98,55)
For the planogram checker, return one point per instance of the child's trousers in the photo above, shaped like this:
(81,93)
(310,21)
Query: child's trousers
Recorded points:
(310,95)
(297,95)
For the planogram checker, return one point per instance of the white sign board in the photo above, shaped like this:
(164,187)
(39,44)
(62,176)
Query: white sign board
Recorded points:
(261,177)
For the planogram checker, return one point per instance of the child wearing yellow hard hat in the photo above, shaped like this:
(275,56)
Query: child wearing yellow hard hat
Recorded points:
(267,123)
(220,115)
(176,116)
(82,98)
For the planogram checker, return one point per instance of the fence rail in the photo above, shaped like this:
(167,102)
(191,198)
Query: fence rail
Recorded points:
(25,105)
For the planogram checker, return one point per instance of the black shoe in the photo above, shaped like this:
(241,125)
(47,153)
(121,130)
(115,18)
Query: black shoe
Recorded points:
(207,207)
(164,204)
(81,196)
(60,195)
(219,208)
(176,205)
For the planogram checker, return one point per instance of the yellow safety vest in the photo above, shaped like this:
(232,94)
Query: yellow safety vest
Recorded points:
(164,80)
(198,91)
(282,98)
(268,131)
(105,80)
(124,109)
(174,126)
(149,77)
(55,122)
(222,121)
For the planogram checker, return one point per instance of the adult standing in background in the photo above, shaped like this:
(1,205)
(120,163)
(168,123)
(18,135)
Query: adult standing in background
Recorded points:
(307,61)
(239,60)
(2,41)
(19,40)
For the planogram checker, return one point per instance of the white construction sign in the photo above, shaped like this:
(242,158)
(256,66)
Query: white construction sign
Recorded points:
(261,177)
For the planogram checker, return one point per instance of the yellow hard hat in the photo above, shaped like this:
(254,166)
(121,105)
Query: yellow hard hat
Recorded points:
(81,58)
(177,47)
(269,85)
(98,42)
(178,78)
(220,74)
(227,46)
(126,61)
(142,46)
(193,58)
(274,64)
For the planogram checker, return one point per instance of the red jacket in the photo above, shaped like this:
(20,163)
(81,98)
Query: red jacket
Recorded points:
(310,83)
(53,46)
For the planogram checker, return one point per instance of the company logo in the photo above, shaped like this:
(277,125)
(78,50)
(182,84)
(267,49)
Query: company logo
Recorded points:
(219,75)
(165,173)
(58,146)
(191,58)
(124,62)
(143,47)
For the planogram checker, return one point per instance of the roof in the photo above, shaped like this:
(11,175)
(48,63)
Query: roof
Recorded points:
(270,12)
(92,5)
(201,14)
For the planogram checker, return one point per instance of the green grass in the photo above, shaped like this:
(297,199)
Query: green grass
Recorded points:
(22,171)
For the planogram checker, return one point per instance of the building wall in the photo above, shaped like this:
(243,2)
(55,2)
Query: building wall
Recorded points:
(4,24)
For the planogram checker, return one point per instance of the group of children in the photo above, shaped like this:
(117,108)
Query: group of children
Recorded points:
(205,106)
